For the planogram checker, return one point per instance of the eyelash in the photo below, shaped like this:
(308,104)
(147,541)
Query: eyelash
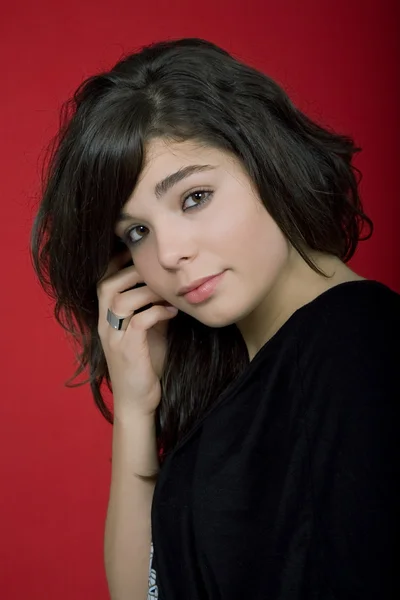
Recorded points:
(126,238)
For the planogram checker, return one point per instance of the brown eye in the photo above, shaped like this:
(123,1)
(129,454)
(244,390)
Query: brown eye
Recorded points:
(199,197)
(135,234)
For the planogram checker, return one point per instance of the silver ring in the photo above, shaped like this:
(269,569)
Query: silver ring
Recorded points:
(119,323)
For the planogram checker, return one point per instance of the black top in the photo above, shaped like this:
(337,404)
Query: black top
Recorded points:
(287,489)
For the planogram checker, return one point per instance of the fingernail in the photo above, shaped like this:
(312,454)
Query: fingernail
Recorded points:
(172,308)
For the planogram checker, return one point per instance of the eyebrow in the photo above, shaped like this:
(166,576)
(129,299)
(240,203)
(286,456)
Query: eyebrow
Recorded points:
(163,186)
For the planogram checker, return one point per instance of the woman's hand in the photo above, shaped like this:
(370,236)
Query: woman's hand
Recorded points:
(136,356)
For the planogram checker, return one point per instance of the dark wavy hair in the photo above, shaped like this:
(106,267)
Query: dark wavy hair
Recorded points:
(187,89)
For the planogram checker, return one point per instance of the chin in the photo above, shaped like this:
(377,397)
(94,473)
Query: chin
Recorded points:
(218,318)
(217,323)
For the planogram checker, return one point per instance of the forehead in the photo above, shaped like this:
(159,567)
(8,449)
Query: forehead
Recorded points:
(163,157)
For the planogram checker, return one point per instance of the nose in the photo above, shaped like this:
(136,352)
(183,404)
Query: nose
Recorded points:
(175,243)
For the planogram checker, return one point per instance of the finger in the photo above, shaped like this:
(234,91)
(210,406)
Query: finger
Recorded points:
(131,301)
(116,264)
(140,323)
(147,319)
(119,281)
(125,304)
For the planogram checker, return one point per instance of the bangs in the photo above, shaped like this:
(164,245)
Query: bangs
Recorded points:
(109,159)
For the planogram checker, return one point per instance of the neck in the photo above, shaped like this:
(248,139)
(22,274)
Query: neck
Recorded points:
(296,286)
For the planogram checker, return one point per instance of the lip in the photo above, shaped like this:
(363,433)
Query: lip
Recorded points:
(195,284)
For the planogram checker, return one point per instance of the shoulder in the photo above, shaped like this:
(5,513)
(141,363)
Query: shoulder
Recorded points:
(353,302)
(349,356)
(348,359)
(359,316)
(349,350)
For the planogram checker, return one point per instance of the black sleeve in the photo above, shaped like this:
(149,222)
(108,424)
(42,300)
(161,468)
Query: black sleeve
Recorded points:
(351,374)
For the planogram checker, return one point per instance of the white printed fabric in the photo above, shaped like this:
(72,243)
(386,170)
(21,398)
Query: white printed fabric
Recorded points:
(153,589)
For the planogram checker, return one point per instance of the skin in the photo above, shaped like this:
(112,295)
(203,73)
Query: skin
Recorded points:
(265,281)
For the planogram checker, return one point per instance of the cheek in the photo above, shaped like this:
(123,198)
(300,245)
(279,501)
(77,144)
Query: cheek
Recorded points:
(263,246)
(148,268)
(226,229)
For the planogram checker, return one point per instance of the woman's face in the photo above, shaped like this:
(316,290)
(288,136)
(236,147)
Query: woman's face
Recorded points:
(208,222)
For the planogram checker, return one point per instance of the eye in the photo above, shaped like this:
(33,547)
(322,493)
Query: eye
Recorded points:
(198,197)
(135,235)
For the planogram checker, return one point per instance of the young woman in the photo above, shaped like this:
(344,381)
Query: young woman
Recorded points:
(254,374)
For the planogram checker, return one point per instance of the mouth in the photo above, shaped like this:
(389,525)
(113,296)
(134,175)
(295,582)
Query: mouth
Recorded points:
(195,284)
(199,292)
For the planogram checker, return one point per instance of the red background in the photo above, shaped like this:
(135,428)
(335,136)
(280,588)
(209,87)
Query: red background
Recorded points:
(338,59)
